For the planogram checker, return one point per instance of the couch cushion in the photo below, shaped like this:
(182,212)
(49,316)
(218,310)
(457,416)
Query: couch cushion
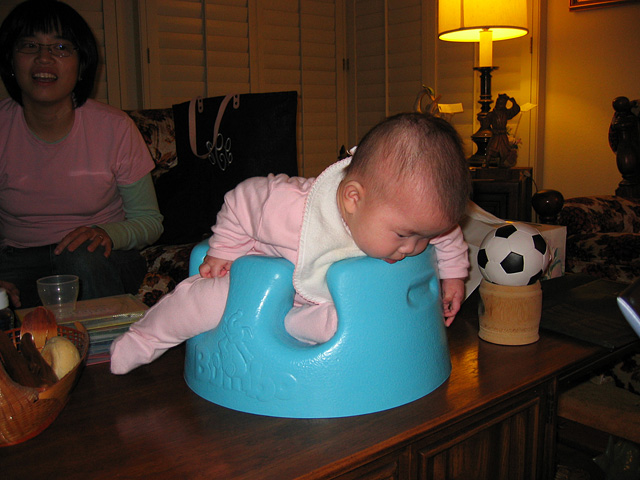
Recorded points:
(168,265)
(158,131)
(172,260)
(154,287)
(615,256)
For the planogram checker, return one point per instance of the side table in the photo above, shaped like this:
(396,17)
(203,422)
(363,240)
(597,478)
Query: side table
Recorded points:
(504,192)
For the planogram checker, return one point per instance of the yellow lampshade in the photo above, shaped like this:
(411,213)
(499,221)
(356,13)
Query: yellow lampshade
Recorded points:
(464,20)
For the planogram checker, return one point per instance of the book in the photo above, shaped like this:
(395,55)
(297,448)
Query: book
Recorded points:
(104,318)
(105,312)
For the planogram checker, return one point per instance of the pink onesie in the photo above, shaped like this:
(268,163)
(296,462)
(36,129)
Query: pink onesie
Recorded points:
(261,216)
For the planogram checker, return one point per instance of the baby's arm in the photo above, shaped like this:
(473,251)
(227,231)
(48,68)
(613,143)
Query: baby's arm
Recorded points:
(236,226)
(453,266)
(452,297)
(213,267)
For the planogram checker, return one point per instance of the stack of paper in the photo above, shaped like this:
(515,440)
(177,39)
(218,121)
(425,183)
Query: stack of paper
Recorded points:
(104,318)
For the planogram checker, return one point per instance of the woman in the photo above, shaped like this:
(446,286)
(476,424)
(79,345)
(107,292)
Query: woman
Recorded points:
(76,195)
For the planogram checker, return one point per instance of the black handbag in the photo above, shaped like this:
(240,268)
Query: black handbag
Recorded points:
(221,141)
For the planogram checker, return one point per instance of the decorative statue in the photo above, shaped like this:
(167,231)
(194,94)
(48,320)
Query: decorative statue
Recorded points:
(624,140)
(432,108)
(499,150)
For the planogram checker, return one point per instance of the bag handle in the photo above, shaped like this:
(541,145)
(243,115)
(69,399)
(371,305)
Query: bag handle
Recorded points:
(199,101)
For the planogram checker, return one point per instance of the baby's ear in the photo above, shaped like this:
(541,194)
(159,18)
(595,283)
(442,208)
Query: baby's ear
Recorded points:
(351,196)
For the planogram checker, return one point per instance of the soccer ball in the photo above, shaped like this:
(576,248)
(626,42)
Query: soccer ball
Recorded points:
(513,254)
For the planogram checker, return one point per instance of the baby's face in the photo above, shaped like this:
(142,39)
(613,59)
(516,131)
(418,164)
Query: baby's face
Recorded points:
(397,228)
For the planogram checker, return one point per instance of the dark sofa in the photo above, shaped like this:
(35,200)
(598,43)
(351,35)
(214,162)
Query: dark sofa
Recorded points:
(603,240)
(603,236)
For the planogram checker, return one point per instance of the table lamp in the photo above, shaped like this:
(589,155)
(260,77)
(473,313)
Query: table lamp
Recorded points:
(483,21)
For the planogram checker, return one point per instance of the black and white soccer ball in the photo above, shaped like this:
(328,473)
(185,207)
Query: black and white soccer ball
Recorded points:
(513,254)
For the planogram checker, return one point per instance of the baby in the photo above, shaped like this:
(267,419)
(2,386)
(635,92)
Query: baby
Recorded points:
(406,186)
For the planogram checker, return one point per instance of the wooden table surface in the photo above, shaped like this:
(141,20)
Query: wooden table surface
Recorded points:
(149,424)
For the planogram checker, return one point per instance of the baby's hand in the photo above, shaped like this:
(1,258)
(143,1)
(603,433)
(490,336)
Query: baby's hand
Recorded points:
(452,296)
(214,267)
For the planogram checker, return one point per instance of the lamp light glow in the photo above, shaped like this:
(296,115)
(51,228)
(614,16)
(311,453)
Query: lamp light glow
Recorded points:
(464,20)
(483,21)
(485,57)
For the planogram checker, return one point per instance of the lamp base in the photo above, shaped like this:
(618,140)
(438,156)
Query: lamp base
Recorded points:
(482,137)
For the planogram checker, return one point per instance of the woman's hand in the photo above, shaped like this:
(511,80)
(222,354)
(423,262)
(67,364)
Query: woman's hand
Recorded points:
(12,291)
(95,235)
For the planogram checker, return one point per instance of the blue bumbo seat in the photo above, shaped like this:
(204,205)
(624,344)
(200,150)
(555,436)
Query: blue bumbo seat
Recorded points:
(390,348)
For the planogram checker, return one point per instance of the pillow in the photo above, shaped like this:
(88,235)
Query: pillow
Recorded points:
(157,129)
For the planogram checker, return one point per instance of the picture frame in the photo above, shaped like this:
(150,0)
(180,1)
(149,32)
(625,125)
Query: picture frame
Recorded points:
(584,4)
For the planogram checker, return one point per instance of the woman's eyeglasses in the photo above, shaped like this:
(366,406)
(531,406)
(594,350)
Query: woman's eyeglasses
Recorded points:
(60,49)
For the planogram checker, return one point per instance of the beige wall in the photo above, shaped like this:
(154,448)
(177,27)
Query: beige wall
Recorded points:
(592,56)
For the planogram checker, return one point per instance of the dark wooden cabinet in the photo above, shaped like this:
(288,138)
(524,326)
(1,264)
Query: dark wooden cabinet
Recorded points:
(394,466)
(505,442)
(504,192)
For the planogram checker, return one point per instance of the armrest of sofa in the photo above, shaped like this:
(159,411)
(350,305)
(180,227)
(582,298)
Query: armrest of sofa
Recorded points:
(600,214)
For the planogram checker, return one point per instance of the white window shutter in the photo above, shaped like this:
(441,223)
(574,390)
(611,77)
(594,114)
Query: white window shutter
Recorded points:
(388,58)
(404,62)
(323,95)
(252,46)
(228,58)
(173,45)
(369,63)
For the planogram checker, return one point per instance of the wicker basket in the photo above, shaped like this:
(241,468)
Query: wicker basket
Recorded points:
(25,411)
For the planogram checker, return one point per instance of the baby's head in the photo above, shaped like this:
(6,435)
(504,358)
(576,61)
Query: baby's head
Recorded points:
(408,182)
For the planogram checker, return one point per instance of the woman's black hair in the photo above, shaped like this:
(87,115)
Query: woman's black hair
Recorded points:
(50,17)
